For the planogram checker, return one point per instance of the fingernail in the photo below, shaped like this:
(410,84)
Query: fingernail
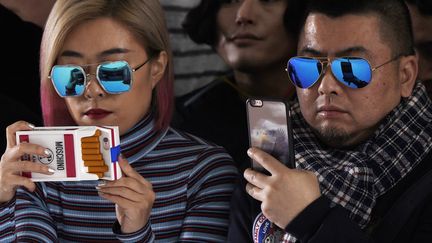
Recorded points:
(249,152)
(31,125)
(101,183)
(46,152)
(51,170)
(122,156)
(246,172)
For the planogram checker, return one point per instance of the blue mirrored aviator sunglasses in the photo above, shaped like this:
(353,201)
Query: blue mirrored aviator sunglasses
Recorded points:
(354,72)
(113,77)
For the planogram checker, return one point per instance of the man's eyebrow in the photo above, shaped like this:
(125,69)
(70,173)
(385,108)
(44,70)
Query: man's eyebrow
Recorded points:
(344,52)
(112,51)
(351,50)
(309,51)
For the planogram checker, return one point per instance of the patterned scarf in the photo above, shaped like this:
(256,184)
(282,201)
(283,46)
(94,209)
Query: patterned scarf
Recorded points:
(355,178)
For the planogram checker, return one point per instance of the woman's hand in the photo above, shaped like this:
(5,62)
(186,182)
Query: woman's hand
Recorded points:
(133,196)
(11,167)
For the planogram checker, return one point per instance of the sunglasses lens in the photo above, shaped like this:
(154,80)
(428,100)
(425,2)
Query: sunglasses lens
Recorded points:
(115,77)
(303,71)
(68,80)
(354,72)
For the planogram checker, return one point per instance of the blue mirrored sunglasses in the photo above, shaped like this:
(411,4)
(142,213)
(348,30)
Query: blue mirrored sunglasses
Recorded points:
(354,72)
(114,77)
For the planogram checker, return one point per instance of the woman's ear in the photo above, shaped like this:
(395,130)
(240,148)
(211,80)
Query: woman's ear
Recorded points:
(158,66)
(408,68)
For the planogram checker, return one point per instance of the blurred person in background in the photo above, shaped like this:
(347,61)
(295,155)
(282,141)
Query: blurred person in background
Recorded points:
(195,65)
(21,21)
(421,17)
(255,38)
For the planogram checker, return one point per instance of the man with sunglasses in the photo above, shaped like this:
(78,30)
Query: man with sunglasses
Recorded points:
(363,148)
(421,15)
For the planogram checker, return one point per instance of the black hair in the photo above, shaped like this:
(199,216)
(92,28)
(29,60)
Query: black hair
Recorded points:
(200,21)
(424,6)
(394,17)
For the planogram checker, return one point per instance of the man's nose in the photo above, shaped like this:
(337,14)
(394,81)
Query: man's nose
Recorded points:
(328,85)
(246,12)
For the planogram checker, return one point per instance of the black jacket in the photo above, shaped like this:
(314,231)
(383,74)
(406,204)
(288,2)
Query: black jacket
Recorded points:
(217,113)
(19,95)
(404,214)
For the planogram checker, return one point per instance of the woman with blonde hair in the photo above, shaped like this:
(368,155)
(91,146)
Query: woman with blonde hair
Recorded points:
(175,187)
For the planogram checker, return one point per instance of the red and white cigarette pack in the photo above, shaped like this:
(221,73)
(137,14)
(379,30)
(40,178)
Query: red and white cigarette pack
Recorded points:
(76,153)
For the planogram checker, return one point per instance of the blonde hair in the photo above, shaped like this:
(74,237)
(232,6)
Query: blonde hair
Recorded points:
(144,18)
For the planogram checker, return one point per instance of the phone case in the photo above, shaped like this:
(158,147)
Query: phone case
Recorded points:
(270,129)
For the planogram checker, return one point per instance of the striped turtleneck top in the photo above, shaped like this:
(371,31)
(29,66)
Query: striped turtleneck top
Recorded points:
(192,179)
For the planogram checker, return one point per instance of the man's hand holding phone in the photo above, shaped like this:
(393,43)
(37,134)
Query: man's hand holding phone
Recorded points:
(285,192)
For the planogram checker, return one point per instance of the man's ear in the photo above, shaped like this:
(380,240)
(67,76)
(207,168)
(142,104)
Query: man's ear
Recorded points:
(158,66)
(408,68)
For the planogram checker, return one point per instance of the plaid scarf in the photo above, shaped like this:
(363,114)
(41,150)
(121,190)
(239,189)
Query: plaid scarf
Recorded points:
(355,178)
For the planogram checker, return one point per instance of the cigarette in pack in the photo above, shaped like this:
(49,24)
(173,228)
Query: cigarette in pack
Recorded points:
(76,152)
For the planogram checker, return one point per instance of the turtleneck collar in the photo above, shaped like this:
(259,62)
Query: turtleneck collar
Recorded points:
(141,139)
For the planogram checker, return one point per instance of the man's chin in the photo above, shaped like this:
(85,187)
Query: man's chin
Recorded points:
(334,137)
(241,63)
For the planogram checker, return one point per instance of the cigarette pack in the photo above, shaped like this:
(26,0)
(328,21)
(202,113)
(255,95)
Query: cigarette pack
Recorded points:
(76,153)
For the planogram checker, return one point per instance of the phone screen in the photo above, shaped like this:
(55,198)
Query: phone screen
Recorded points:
(268,125)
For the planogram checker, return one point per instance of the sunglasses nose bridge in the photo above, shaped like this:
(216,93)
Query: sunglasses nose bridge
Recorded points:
(88,75)
(92,77)
(88,78)
(324,64)
(327,64)
(328,84)
(93,87)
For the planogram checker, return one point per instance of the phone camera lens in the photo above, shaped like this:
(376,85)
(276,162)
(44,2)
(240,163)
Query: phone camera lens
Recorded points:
(256,103)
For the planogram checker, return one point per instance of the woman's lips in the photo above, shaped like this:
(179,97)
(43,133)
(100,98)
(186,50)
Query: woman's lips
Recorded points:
(97,114)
